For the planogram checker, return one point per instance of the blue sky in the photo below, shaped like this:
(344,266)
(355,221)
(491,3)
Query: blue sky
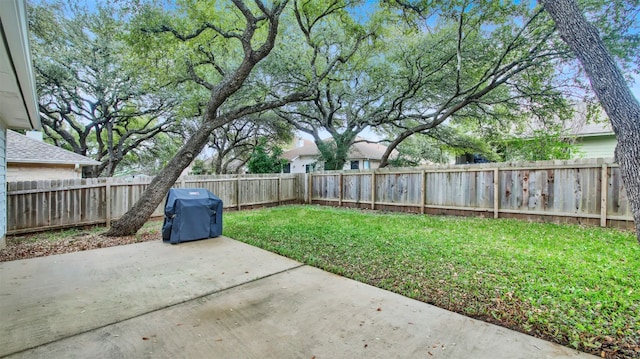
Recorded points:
(636,87)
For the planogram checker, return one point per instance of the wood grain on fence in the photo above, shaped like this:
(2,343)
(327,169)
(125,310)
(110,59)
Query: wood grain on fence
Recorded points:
(51,204)
(585,191)
(549,190)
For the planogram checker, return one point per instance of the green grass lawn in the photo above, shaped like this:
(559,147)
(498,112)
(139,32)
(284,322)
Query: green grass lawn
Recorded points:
(578,286)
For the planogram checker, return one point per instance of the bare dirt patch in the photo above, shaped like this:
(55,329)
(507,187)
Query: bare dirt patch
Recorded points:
(59,242)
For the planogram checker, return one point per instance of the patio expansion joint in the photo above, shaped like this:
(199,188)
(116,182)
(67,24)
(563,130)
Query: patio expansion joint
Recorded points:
(299,265)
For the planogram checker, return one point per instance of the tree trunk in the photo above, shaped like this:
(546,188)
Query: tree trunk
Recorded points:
(609,85)
(137,215)
(135,218)
(217,169)
(384,161)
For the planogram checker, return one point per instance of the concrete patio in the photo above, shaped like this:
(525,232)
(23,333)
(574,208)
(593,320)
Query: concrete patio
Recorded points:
(220,298)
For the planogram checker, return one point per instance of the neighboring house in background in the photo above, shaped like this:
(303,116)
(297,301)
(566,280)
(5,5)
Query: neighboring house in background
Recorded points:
(30,159)
(302,158)
(234,167)
(237,166)
(18,100)
(305,156)
(594,139)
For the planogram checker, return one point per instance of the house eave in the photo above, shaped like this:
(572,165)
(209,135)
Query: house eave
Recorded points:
(599,134)
(18,99)
(53,162)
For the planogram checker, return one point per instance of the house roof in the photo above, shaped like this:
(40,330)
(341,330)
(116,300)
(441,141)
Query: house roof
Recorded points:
(581,124)
(367,150)
(594,129)
(22,149)
(359,150)
(18,100)
(308,149)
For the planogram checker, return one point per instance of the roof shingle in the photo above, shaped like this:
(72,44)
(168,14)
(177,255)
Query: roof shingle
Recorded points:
(22,149)
(359,150)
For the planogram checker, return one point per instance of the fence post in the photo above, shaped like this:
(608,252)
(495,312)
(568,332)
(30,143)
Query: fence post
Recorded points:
(423,191)
(107,193)
(301,186)
(238,192)
(309,189)
(604,180)
(279,189)
(373,189)
(496,192)
(340,190)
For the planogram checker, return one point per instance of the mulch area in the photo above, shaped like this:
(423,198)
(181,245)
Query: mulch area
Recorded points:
(30,246)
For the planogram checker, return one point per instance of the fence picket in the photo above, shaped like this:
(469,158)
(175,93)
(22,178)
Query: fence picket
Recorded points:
(42,205)
(580,191)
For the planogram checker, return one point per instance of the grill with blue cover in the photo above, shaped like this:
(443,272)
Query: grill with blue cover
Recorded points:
(191,214)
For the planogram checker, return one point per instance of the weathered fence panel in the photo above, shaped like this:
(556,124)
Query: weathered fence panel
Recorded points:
(618,203)
(356,187)
(554,190)
(467,189)
(41,205)
(586,191)
(225,189)
(398,188)
(547,190)
(325,186)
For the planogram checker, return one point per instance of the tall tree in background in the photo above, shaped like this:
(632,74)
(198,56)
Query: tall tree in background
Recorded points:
(216,47)
(438,145)
(340,105)
(234,143)
(353,98)
(343,108)
(479,64)
(265,159)
(153,155)
(611,88)
(93,100)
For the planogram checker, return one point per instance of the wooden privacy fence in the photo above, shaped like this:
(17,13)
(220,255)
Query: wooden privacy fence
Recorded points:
(50,204)
(581,191)
(584,191)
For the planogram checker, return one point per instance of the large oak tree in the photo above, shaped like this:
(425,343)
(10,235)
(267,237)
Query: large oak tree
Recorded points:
(93,100)
(478,62)
(216,47)
(234,143)
(609,84)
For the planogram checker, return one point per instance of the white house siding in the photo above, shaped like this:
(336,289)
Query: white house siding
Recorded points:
(33,172)
(299,164)
(372,164)
(3,185)
(597,146)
